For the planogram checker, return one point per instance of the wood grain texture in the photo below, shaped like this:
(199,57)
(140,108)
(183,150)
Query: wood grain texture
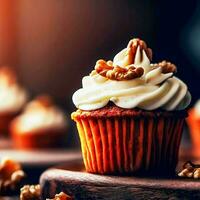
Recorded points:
(83,186)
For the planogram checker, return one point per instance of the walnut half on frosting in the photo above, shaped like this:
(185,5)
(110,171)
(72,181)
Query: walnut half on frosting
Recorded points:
(133,45)
(106,69)
(167,67)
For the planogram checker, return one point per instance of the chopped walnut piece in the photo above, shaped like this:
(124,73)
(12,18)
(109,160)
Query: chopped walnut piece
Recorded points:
(61,196)
(196,173)
(190,170)
(118,73)
(166,67)
(30,192)
(133,45)
(11,175)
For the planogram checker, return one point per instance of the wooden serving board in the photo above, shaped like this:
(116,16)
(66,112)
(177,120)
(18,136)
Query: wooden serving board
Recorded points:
(81,185)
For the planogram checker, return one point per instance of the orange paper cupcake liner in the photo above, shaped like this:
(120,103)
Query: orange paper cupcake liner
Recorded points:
(37,139)
(118,145)
(193,122)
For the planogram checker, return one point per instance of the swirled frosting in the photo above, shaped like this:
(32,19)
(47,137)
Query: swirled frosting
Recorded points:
(153,90)
(41,113)
(12,95)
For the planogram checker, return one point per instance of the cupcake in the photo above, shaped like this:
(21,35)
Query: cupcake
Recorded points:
(41,125)
(130,114)
(193,122)
(12,98)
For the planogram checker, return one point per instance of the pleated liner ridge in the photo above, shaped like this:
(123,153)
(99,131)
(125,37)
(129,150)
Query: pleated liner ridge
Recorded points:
(130,145)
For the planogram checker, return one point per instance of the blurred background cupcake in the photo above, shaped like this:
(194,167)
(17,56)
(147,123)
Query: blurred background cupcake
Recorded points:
(12,98)
(41,125)
(194,125)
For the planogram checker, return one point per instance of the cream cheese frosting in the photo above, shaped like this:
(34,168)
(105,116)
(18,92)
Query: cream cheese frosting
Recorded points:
(12,95)
(37,116)
(153,90)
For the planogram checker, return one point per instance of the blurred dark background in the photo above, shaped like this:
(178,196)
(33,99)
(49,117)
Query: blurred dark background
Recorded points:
(52,44)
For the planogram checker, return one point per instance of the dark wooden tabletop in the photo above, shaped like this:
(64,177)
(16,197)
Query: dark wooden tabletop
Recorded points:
(85,186)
